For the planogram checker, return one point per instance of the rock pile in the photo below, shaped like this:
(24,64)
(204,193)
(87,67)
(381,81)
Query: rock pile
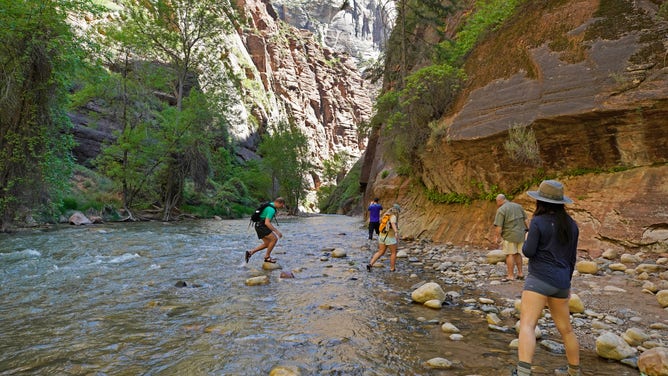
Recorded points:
(616,332)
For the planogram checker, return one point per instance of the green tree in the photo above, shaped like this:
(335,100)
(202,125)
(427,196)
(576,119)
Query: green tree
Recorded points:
(37,55)
(285,155)
(133,158)
(187,36)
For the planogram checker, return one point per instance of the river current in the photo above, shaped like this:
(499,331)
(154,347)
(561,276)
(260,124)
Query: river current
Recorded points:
(103,300)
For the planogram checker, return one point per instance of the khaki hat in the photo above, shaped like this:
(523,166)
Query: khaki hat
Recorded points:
(550,191)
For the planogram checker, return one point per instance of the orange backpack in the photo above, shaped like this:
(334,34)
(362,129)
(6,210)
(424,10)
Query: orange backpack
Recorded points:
(385,224)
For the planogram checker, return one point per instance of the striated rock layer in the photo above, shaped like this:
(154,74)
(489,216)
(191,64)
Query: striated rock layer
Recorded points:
(594,91)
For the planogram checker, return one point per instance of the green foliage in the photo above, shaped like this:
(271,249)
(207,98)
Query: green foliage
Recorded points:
(448,198)
(89,191)
(331,198)
(483,193)
(285,155)
(522,145)
(487,15)
(428,93)
(334,169)
(38,55)
(663,10)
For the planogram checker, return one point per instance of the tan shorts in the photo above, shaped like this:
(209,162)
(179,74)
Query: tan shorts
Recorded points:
(511,248)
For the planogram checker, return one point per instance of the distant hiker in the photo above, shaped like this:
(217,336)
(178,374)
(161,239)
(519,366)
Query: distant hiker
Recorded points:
(389,233)
(374,217)
(511,227)
(551,247)
(266,231)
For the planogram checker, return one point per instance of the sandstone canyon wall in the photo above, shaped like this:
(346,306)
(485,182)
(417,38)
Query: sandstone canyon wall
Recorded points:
(590,79)
(277,73)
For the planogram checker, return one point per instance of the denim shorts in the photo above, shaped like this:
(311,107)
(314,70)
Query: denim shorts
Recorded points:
(536,285)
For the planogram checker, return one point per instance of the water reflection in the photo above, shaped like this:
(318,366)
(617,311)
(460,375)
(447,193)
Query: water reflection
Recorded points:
(102,301)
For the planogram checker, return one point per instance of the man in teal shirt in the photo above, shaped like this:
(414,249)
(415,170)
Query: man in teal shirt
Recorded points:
(266,231)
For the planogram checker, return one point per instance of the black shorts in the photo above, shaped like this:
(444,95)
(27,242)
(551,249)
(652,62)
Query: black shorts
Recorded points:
(262,230)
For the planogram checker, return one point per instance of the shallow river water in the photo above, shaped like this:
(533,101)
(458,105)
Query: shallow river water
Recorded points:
(102,300)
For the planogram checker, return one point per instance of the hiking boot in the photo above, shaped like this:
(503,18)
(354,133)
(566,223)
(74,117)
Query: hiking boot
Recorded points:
(564,371)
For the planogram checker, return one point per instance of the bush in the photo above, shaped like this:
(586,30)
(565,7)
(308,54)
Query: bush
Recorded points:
(522,146)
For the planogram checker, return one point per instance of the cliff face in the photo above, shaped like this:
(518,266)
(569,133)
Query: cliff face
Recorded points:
(317,89)
(358,27)
(280,74)
(590,80)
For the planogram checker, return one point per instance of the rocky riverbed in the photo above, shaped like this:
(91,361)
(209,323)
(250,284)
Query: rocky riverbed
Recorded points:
(618,307)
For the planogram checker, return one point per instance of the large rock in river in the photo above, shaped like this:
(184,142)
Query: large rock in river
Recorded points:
(428,291)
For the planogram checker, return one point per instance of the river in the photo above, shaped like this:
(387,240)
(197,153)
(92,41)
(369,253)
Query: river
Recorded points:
(103,300)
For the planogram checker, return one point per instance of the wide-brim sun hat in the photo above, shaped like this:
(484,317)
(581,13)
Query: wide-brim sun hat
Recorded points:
(550,191)
(397,207)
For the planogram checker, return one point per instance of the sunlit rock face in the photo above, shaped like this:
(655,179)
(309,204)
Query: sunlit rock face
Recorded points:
(593,88)
(358,27)
(313,87)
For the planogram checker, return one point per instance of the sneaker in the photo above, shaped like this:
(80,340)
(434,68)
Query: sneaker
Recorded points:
(368,267)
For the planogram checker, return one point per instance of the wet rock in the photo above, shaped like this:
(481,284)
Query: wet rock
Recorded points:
(553,347)
(284,371)
(485,301)
(612,346)
(181,284)
(609,254)
(654,362)
(456,337)
(256,281)
(428,291)
(271,266)
(628,258)
(488,308)
(339,253)
(617,267)
(449,328)
(649,268)
(662,298)
(433,303)
(78,218)
(575,304)
(659,326)
(495,256)
(586,267)
(493,319)
(287,275)
(600,325)
(439,363)
(502,329)
(635,336)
